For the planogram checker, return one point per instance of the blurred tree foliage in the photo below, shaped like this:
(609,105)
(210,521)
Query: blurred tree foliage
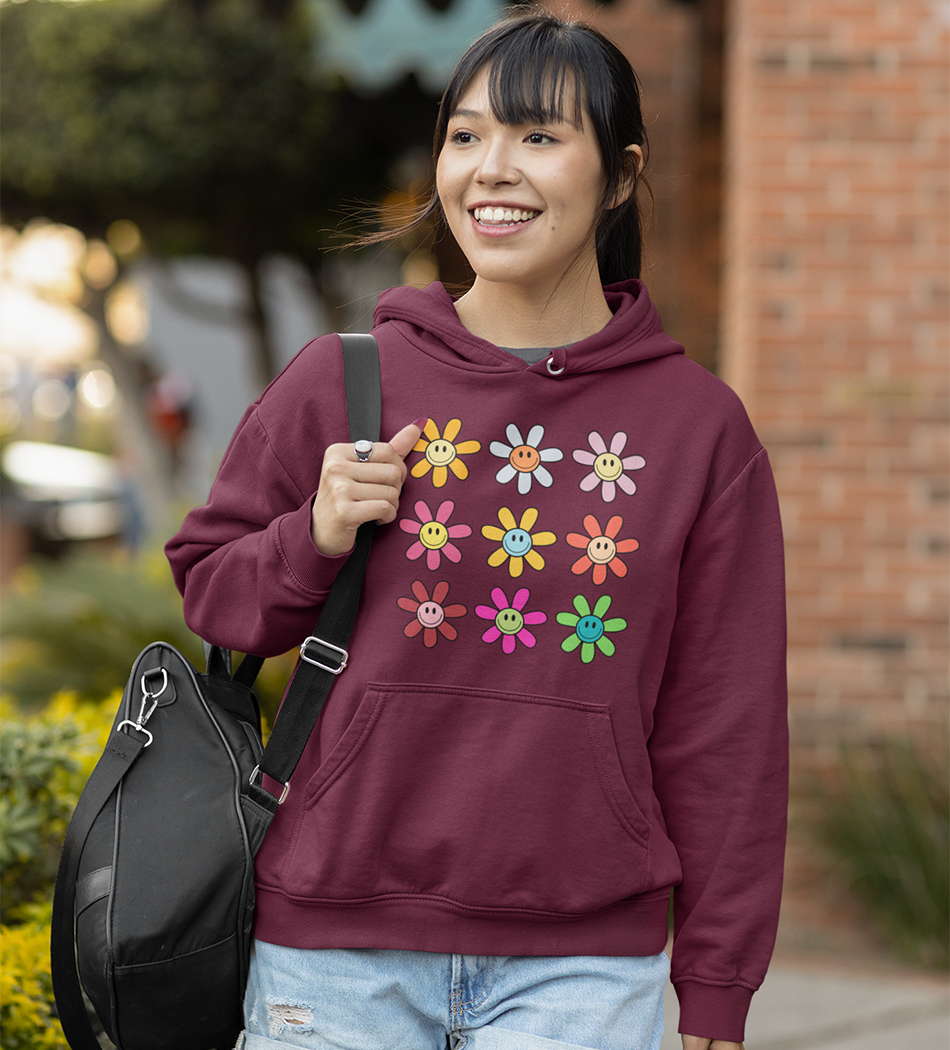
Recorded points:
(203,121)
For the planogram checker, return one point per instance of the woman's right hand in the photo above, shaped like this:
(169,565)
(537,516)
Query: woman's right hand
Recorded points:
(352,492)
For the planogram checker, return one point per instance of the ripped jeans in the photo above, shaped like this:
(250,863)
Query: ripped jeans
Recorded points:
(400,1000)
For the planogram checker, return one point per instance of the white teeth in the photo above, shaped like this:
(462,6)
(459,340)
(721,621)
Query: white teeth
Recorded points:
(505,216)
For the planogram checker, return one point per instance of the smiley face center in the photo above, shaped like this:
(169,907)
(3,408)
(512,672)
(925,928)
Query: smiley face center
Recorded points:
(601,550)
(440,453)
(433,535)
(590,628)
(509,621)
(430,614)
(524,458)
(516,542)
(608,467)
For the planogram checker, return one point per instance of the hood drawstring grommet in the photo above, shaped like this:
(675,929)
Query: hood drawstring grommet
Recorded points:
(553,369)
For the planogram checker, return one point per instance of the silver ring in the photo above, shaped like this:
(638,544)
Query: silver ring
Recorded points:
(363,449)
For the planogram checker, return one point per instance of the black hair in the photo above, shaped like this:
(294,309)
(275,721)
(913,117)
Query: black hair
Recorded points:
(542,68)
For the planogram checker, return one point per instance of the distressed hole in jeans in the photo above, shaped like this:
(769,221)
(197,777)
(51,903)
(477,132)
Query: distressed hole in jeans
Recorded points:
(282,1017)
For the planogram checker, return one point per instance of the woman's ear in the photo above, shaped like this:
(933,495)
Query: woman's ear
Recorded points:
(632,166)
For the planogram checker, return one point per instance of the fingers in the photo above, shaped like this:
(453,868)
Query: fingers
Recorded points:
(403,442)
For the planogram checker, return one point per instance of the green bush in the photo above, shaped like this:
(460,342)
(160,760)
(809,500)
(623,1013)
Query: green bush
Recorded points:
(26,988)
(885,821)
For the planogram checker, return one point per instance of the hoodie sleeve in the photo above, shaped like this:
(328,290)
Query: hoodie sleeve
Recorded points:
(719,752)
(246,564)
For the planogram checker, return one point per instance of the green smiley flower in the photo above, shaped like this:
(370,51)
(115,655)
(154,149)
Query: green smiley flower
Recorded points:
(590,627)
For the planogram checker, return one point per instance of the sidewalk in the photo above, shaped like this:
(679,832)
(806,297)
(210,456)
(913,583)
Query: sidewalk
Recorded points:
(823,1006)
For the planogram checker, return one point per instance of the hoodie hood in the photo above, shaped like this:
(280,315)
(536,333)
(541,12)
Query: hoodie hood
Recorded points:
(426,318)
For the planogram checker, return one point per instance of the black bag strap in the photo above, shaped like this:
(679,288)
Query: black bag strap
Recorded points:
(323,657)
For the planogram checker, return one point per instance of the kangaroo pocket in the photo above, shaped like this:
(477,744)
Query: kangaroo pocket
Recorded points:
(482,799)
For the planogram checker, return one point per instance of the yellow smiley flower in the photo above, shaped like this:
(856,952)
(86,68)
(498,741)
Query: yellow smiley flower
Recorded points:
(517,541)
(442,452)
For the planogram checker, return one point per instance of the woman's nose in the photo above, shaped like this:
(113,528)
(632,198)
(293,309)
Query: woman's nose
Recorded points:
(497,164)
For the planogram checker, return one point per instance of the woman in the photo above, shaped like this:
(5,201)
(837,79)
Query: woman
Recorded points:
(565,693)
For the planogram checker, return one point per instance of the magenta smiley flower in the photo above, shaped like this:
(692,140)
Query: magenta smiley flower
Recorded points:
(434,533)
(509,619)
(609,465)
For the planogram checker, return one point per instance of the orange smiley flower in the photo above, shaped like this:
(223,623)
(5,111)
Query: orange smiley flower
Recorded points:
(601,547)
(442,452)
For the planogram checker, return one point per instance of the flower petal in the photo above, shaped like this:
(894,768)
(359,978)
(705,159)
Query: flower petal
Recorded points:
(506,473)
(448,631)
(596,442)
(412,628)
(618,623)
(603,604)
(498,449)
(626,546)
(514,435)
(524,482)
(439,592)
(520,599)
(581,604)
(506,518)
(536,617)
(515,567)
(581,565)
(485,612)
(528,519)
(415,551)
(590,482)
(419,590)
(430,430)
(613,527)
(550,455)
(617,567)
(617,442)
(408,525)
(452,429)
(421,469)
(451,552)
(627,484)
(408,604)
(534,560)
(599,574)
(492,532)
(570,643)
(433,560)
(568,619)
(422,510)
(543,475)
(466,448)
(581,455)
(491,635)
(526,638)
(430,637)
(587,652)
(508,643)
(575,539)
(459,469)
(500,599)
(535,436)
(458,531)
(497,557)
(606,646)
(444,512)
(439,475)
(543,539)
(633,463)
(455,610)
(609,491)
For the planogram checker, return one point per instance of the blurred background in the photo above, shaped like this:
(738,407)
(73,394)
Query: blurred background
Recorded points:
(176,178)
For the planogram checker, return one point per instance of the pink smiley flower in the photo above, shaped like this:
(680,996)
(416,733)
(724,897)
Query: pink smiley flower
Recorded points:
(435,534)
(509,619)
(608,465)
(430,614)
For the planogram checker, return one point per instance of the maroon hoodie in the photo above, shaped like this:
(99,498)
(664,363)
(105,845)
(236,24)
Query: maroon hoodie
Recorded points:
(566,687)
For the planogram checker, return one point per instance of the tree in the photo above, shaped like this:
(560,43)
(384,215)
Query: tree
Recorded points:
(205,123)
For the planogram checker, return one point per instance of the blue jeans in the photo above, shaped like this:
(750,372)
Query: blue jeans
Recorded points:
(400,1000)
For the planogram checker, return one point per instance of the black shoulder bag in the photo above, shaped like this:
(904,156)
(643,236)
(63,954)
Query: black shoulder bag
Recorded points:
(154,902)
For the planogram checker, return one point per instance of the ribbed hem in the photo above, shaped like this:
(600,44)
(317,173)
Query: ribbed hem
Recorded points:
(311,569)
(713,1011)
(634,927)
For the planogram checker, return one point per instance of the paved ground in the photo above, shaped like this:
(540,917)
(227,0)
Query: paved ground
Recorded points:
(824,1006)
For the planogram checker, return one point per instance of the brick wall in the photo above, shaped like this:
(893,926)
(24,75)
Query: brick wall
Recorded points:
(835,333)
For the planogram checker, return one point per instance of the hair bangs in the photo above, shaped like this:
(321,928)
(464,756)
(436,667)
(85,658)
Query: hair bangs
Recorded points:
(536,80)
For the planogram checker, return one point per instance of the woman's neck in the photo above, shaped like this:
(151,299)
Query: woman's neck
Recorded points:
(509,315)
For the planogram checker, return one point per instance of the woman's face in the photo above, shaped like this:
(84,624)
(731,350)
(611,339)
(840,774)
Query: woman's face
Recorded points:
(522,201)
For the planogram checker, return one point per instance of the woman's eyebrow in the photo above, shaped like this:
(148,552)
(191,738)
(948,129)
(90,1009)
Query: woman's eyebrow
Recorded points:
(466,114)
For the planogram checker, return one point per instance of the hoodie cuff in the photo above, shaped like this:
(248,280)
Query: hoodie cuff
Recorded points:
(310,569)
(713,1011)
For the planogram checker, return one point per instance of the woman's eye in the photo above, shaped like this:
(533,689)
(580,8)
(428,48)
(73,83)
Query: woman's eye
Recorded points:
(539,138)
(463,138)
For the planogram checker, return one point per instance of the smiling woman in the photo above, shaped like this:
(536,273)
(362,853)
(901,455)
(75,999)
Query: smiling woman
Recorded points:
(484,832)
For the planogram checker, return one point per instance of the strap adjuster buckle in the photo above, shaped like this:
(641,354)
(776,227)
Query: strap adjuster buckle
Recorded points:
(334,649)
